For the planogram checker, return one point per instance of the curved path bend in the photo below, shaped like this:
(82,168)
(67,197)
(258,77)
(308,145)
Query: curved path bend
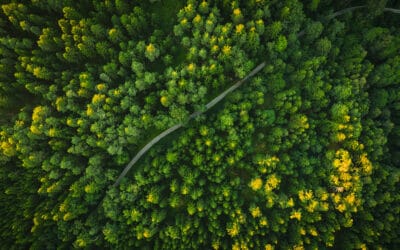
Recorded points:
(177,126)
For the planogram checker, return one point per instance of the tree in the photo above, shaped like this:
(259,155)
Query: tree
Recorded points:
(152,52)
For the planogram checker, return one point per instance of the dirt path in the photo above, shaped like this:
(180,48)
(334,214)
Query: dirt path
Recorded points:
(177,126)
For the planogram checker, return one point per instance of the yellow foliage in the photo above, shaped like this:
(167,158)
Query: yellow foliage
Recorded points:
(116,92)
(185,190)
(225,29)
(270,201)
(197,19)
(70,122)
(152,198)
(188,8)
(146,234)
(239,246)
(343,161)
(255,212)
(269,161)
(290,202)
(324,196)
(97,98)
(204,4)
(345,177)
(212,67)
(213,40)
(19,123)
(269,247)
(226,50)
(67,216)
(340,137)
(52,132)
(237,12)
(350,199)
(313,232)
(214,49)
(36,221)
(263,222)
(89,189)
(183,21)
(82,92)
(79,122)
(37,114)
(233,230)
(35,130)
(146,118)
(8,148)
(51,188)
(164,101)
(191,67)
(239,28)
(216,245)
(341,208)
(324,206)
(112,32)
(336,198)
(295,215)
(236,246)
(241,217)
(186,227)
(37,72)
(311,206)
(63,208)
(89,111)
(348,184)
(203,130)
(305,195)
(182,83)
(81,242)
(174,74)
(56,217)
(150,48)
(366,164)
(272,183)
(256,184)
(59,103)
(334,179)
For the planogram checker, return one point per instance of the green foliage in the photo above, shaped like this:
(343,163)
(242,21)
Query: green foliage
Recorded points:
(303,155)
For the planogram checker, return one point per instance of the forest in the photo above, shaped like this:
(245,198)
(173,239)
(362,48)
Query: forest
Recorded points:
(200,124)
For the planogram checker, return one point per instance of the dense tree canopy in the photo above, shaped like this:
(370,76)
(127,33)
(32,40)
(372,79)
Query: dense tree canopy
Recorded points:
(305,154)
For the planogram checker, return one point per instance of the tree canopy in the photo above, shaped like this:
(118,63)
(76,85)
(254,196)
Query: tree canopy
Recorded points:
(304,154)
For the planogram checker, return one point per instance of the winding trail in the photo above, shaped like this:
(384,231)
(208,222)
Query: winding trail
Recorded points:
(177,126)
(222,96)
(344,11)
(347,10)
